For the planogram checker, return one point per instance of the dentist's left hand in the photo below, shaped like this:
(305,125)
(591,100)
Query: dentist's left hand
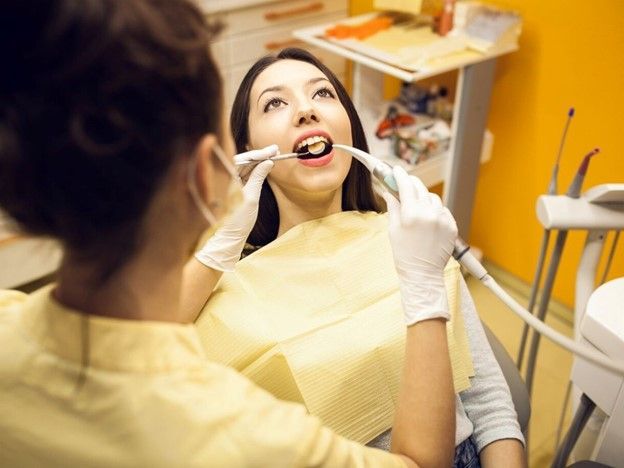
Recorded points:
(224,248)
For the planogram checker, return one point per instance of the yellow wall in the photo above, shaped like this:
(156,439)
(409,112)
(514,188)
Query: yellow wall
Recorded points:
(570,56)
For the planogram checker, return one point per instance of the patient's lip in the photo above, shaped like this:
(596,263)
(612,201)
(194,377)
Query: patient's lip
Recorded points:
(311,133)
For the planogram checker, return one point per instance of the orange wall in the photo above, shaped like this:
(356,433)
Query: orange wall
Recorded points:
(567,57)
(570,56)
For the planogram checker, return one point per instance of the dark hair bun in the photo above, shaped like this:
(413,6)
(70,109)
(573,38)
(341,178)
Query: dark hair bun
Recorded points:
(96,100)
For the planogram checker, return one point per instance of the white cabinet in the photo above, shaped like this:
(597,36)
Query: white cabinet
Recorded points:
(256,28)
(24,259)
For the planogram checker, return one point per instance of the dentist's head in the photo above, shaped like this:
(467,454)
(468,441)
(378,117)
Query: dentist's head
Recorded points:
(109,111)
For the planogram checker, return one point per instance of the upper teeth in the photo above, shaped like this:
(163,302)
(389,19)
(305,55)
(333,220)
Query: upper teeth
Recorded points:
(311,141)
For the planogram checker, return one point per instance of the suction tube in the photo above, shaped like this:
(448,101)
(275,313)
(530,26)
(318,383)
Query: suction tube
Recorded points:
(383,172)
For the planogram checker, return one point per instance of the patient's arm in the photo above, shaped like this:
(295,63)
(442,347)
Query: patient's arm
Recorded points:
(488,402)
(424,424)
(198,282)
(507,452)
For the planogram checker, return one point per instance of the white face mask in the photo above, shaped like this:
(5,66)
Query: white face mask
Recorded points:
(227,166)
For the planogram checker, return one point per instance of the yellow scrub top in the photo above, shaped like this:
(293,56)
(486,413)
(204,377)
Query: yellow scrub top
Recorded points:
(149,398)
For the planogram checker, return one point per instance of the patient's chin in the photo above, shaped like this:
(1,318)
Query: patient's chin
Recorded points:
(307,180)
(311,185)
(318,187)
(321,181)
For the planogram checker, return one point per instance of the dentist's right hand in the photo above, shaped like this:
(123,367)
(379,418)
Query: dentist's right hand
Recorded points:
(224,248)
(422,235)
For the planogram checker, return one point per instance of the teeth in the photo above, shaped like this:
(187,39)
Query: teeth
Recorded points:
(310,141)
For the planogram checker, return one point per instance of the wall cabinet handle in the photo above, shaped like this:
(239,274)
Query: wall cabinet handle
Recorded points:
(281,44)
(278,15)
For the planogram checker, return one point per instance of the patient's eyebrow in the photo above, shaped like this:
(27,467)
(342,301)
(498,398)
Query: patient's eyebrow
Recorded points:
(281,87)
(316,80)
(268,90)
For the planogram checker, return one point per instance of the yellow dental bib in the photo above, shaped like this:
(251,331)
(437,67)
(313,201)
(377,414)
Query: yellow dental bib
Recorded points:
(315,317)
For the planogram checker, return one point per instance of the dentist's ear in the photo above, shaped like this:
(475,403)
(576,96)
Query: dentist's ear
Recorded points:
(203,167)
(200,178)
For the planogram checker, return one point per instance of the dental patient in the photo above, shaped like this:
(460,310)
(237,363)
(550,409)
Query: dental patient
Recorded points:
(312,310)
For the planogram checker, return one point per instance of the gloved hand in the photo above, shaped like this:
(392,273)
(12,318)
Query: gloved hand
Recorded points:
(223,249)
(422,235)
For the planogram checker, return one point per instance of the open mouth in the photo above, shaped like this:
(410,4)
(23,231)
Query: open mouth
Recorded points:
(313,147)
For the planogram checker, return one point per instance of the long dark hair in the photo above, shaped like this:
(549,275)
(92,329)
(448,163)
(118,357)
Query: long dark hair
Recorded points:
(357,191)
(98,98)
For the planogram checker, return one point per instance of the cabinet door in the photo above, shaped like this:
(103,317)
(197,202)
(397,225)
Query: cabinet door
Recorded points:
(247,47)
(26,259)
(275,14)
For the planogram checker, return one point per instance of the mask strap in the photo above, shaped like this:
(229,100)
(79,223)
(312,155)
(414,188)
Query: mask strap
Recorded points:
(227,163)
(192,186)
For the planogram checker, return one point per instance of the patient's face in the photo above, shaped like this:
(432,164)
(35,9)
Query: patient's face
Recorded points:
(289,102)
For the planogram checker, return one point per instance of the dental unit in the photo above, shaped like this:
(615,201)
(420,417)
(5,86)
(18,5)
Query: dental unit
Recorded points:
(319,146)
(574,191)
(537,278)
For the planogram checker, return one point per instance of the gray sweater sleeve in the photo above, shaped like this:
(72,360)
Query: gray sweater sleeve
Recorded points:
(488,401)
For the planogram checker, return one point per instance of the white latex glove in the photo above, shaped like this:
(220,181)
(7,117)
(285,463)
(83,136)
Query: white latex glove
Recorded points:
(422,235)
(223,249)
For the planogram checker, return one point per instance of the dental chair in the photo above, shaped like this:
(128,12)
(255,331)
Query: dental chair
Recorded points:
(519,391)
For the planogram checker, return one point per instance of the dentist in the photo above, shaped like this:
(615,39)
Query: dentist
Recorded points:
(109,127)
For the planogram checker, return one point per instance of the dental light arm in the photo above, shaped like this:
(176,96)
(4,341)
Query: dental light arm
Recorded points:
(383,173)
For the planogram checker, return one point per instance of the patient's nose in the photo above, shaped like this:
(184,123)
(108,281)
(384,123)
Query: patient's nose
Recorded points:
(305,117)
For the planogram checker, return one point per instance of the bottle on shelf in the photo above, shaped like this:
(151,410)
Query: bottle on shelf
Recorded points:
(446,18)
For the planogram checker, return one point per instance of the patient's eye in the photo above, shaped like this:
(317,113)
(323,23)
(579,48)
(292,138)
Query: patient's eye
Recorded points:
(324,92)
(273,103)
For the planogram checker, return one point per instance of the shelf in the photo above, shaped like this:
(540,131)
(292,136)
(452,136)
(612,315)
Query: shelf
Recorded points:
(313,35)
(458,168)
(431,172)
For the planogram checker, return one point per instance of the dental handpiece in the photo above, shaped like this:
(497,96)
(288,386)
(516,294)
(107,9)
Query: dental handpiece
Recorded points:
(382,171)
